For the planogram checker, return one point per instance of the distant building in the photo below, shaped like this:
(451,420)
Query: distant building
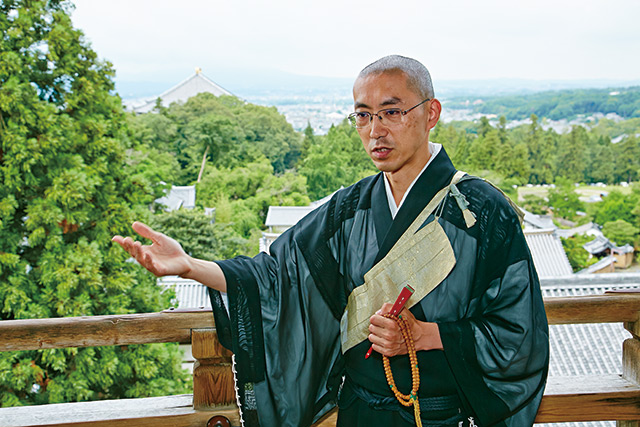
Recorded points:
(281,218)
(602,247)
(197,83)
(548,254)
(179,197)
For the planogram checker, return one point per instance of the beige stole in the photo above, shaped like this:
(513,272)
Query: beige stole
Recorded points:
(421,258)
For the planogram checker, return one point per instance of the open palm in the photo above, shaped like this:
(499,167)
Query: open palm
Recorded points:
(163,257)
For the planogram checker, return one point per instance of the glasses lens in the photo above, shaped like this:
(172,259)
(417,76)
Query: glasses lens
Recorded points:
(359,119)
(391,116)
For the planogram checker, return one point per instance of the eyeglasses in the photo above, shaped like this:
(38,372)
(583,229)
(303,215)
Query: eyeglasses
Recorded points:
(389,116)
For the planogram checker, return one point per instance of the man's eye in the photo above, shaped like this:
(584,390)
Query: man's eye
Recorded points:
(362,115)
(393,112)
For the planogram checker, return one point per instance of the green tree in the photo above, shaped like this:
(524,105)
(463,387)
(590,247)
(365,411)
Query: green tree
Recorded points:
(534,204)
(571,159)
(200,235)
(578,256)
(308,141)
(65,190)
(247,192)
(339,160)
(564,200)
(485,150)
(456,142)
(219,131)
(615,206)
(620,232)
(602,162)
(540,147)
(627,155)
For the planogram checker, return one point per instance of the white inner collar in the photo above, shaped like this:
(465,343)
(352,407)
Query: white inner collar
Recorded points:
(434,149)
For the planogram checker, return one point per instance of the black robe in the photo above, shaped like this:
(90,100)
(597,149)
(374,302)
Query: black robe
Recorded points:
(285,308)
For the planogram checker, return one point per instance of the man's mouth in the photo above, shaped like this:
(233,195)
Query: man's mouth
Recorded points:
(380,152)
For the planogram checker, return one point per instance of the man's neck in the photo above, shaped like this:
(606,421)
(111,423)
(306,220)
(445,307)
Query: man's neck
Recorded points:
(400,181)
(402,186)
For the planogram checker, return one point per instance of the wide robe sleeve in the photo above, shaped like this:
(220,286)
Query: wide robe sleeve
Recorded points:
(499,351)
(283,320)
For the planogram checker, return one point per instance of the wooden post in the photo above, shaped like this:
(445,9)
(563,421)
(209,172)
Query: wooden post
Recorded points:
(212,376)
(631,362)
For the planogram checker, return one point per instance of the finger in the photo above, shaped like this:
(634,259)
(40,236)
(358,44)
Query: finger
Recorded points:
(386,308)
(383,349)
(407,314)
(146,260)
(388,335)
(145,231)
(127,244)
(381,321)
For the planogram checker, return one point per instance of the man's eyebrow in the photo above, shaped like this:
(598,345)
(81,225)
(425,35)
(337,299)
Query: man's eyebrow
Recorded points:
(391,101)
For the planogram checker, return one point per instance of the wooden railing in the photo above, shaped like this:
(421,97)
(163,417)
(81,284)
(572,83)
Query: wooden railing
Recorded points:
(587,398)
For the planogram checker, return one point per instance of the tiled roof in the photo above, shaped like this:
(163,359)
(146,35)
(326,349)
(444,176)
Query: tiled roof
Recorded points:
(594,268)
(184,90)
(179,197)
(548,254)
(286,216)
(598,245)
(533,221)
(189,293)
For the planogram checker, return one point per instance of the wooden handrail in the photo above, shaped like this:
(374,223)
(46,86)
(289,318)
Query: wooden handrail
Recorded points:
(608,308)
(606,396)
(176,325)
(94,331)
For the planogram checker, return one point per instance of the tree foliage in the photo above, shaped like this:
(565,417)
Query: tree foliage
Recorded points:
(242,195)
(620,232)
(225,130)
(199,234)
(578,257)
(334,161)
(565,200)
(64,191)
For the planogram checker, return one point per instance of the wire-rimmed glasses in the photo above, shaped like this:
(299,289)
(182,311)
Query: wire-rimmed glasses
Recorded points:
(388,116)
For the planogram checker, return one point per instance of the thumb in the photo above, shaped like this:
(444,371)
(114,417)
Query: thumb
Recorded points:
(145,231)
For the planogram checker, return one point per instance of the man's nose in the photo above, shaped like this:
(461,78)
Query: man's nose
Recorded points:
(378,128)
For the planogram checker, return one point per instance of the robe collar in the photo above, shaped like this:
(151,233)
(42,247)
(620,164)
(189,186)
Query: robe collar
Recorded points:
(437,175)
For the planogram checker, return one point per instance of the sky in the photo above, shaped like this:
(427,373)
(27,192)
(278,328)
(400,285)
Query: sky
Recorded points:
(457,40)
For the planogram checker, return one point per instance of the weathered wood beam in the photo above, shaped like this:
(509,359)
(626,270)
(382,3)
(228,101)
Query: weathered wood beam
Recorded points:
(213,383)
(176,325)
(608,308)
(93,331)
(172,411)
(566,399)
(589,398)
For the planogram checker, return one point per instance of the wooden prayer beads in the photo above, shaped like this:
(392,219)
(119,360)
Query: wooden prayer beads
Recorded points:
(412,398)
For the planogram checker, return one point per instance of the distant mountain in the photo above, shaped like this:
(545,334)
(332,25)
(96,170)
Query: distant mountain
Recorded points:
(556,104)
(248,84)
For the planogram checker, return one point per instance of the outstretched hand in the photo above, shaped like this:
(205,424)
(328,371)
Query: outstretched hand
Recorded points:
(164,257)
(386,337)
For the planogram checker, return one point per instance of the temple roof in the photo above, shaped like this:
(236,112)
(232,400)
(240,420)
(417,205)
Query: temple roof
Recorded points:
(179,197)
(600,244)
(548,254)
(197,83)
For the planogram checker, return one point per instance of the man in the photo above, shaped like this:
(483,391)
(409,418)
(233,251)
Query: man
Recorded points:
(301,319)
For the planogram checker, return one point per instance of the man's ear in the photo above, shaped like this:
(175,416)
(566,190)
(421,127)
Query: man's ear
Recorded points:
(435,108)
